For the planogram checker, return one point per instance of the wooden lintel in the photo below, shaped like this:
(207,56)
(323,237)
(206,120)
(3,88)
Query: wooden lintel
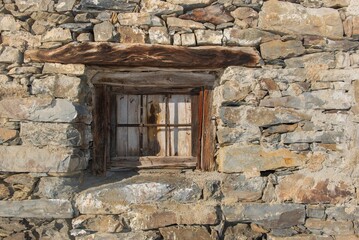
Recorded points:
(147,55)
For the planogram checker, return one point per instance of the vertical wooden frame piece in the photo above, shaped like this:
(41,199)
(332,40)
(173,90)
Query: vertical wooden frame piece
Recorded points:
(208,133)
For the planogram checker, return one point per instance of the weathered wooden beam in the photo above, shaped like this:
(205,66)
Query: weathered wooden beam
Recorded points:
(146,55)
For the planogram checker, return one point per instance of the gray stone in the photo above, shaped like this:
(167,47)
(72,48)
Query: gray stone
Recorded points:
(327,137)
(77,27)
(323,99)
(244,133)
(56,229)
(208,37)
(237,188)
(259,116)
(10,55)
(60,86)
(186,232)
(85,37)
(292,18)
(191,4)
(335,3)
(180,24)
(267,215)
(253,158)
(57,187)
(348,213)
(316,212)
(247,37)
(139,19)
(34,5)
(116,5)
(159,35)
(336,75)
(38,208)
(71,69)
(330,227)
(103,32)
(32,159)
(57,35)
(278,49)
(310,60)
(20,39)
(188,39)
(158,7)
(65,5)
(8,23)
(55,134)
(147,235)
(115,197)
(24,70)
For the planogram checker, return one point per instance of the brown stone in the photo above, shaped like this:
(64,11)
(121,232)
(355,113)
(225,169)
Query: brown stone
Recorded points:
(100,223)
(330,227)
(215,14)
(131,35)
(239,232)
(301,188)
(244,12)
(4,192)
(22,185)
(7,134)
(290,18)
(278,49)
(283,128)
(185,233)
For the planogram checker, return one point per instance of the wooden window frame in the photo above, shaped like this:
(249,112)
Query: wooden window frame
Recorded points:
(103,116)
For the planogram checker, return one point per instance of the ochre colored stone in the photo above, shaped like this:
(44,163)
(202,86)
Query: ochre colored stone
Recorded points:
(7,134)
(215,14)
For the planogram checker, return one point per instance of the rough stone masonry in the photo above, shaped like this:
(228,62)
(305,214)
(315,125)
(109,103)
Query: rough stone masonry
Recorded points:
(287,130)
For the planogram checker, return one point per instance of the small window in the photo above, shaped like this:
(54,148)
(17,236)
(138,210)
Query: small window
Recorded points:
(158,127)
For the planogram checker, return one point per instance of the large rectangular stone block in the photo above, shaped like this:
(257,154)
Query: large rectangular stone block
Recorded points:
(267,215)
(38,208)
(32,159)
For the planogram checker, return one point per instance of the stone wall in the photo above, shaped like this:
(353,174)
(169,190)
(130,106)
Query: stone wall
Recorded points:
(287,131)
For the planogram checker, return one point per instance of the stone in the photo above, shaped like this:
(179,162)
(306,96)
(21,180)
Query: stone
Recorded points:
(342,59)
(215,14)
(32,159)
(186,233)
(247,37)
(278,49)
(244,133)
(146,217)
(34,5)
(177,39)
(240,232)
(7,134)
(57,35)
(334,75)
(8,23)
(347,213)
(60,86)
(324,99)
(10,55)
(57,187)
(23,70)
(179,24)
(237,188)
(314,211)
(188,39)
(266,215)
(39,208)
(335,3)
(191,4)
(311,189)
(327,137)
(114,198)
(353,8)
(99,223)
(57,229)
(77,27)
(208,37)
(131,35)
(139,19)
(158,7)
(22,185)
(330,227)
(115,5)
(283,128)
(148,235)
(71,69)
(159,35)
(55,134)
(253,158)
(65,5)
(4,193)
(310,60)
(259,116)
(290,18)
(103,32)
(20,39)
(85,37)
(244,12)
